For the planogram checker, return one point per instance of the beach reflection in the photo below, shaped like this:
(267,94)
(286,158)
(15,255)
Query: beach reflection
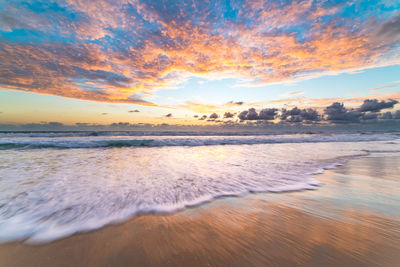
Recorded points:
(349,221)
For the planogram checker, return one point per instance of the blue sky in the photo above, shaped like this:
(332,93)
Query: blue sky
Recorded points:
(74,61)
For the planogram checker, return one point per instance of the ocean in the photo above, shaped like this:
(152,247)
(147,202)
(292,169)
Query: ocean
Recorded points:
(55,184)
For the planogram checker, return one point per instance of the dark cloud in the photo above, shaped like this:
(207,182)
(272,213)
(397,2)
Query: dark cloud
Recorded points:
(335,113)
(386,116)
(228,115)
(251,114)
(292,112)
(214,116)
(133,111)
(310,114)
(294,118)
(299,115)
(338,113)
(369,110)
(169,115)
(104,113)
(396,115)
(374,105)
(195,116)
(203,117)
(370,116)
(267,114)
(238,103)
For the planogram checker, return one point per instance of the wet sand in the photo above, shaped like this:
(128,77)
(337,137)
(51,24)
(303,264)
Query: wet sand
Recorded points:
(352,220)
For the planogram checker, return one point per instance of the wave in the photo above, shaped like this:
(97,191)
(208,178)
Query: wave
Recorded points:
(47,194)
(159,141)
(55,134)
(75,144)
(138,133)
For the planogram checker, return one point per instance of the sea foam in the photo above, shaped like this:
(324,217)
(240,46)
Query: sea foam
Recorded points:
(48,193)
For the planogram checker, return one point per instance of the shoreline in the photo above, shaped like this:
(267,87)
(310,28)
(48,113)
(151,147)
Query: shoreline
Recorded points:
(346,221)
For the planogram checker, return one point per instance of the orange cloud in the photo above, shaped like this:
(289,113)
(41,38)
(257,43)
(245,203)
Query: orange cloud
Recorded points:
(123,50)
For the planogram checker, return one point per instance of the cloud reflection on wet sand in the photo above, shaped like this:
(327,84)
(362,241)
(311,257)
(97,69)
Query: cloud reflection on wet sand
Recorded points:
(346,222)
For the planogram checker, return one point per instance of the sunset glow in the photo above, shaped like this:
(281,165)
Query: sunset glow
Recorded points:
(191,58)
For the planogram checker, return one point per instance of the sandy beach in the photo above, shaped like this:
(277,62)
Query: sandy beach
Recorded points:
(351,220)
(199,133)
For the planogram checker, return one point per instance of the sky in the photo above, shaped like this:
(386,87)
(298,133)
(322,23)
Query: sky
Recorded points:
(77,62)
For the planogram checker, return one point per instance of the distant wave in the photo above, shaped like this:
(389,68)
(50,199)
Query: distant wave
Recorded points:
(133,133)
(56,134)
(158,141)
(75,144)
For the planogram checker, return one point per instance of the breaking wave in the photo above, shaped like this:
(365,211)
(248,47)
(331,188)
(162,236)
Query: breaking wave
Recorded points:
(46,194)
